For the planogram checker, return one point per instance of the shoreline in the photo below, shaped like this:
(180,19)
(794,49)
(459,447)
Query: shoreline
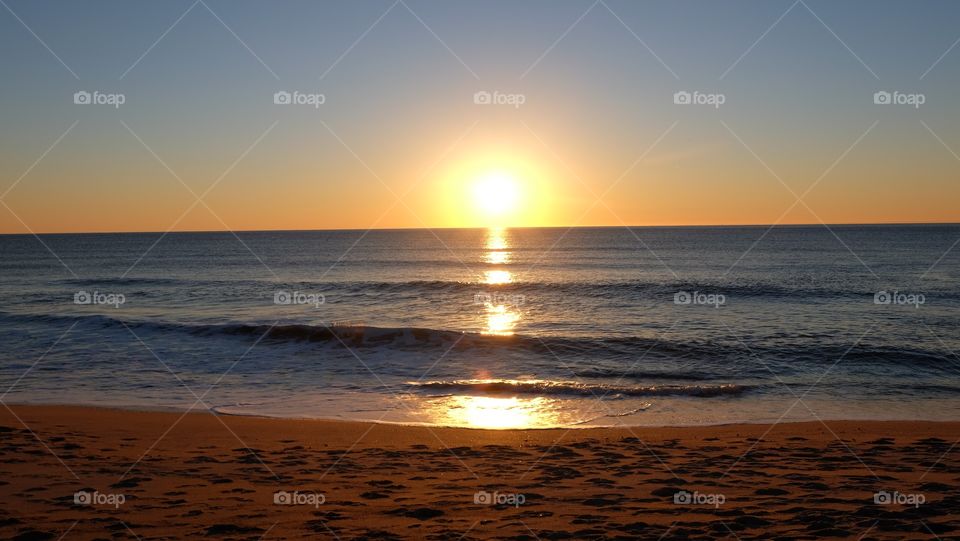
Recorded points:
(871,426)
(201,474)
(173,410)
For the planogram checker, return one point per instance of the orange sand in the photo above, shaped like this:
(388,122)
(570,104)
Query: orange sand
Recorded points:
(218,477)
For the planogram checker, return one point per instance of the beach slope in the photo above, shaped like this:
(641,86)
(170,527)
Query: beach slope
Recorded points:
(87,473)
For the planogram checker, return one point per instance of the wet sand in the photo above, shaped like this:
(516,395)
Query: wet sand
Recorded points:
(87,473)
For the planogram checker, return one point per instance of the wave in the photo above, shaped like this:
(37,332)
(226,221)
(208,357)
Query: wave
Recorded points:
(631,289)
(600,350)
(611,373)
(612,289)
(351,335)
(616,347)
(121,281)
(574,389)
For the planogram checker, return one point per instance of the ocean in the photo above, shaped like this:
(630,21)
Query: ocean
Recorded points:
(499,328)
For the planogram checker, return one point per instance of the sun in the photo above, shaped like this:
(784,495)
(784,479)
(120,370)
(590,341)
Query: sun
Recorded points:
(494,188)
(496,194)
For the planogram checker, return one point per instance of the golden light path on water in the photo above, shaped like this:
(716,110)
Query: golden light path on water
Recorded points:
(497,277)
(497,413)
(501,317)
(501,320)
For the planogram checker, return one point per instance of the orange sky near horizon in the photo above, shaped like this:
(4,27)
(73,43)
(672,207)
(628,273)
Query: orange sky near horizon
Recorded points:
(718,184)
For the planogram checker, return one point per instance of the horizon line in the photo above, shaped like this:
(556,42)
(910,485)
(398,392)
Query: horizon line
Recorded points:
(348,229)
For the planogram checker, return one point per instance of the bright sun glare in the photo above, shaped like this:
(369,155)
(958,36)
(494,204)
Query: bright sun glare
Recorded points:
(496,193)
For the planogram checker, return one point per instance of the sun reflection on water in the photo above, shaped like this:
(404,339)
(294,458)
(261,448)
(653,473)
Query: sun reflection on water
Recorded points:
(496,277)
(501,320)
(497,258)
(497,238)
(496,413)
(500,317)
(497,247)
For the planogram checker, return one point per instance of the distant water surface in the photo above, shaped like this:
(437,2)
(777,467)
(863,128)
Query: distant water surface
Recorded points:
(492,328)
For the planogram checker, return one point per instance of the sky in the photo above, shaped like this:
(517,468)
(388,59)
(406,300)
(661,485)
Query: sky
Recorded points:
(584,127)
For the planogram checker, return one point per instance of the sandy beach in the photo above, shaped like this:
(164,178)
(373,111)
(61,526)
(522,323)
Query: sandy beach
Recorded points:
(86,473)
